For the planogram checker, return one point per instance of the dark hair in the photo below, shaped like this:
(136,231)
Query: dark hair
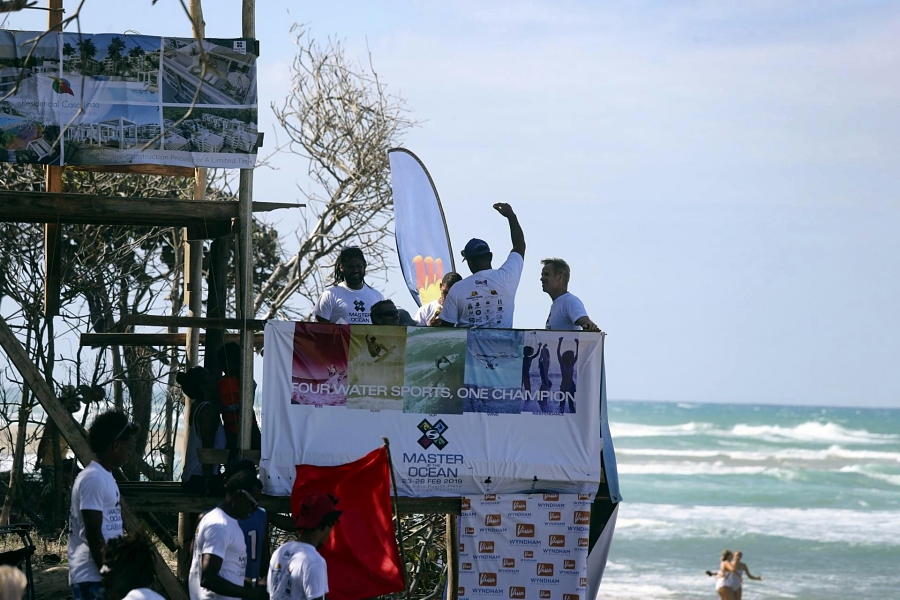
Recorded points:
(345,255)
(243,480)
(229,357)
(451,278)
(330,519)
(192,382)
(559,266)
(238,465)
(129,561)
(108,428)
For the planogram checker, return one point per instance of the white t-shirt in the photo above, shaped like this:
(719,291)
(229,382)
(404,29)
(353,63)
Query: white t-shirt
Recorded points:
(297,572)
(220,535)
(426,313)
(94,489)
(564,311)
(340,304)
(486,298)
(143,594)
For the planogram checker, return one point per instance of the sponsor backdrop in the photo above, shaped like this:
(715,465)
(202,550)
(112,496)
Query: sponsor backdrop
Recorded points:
(114,99)
(524,546)
(454,405)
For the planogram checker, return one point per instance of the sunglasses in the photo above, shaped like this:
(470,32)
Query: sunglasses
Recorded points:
(254,503)
(129,428)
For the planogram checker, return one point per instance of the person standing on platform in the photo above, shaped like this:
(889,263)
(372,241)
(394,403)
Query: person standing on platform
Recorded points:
(229,357)
(220,554)
(297,570)
(350,299)
(487,297)
(429,313)
(204,431)
(567,312)
(95,515)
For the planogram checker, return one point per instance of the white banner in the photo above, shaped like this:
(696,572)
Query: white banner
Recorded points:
(524,546)
(466,411)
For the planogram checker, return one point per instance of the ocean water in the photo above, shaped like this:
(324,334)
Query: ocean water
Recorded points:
(810,495)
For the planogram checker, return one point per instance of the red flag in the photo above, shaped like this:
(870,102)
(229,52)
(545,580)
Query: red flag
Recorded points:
(361,553)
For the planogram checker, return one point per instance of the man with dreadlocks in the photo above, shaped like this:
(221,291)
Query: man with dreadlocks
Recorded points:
(128,568)
(350,299)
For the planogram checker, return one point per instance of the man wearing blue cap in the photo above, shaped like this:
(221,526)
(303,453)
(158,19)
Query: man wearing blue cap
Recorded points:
(487,297)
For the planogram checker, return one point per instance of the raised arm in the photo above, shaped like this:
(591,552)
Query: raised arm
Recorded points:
(558,348)
(515,230)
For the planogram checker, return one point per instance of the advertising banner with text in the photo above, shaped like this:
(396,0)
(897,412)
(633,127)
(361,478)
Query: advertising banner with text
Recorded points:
(524,546)
(466,411)
(114,99)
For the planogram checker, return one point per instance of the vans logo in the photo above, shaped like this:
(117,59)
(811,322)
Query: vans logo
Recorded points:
(491,520)
(462,547)
(557,541)
(470,531)
(487,579)
(551,497)
(571,597)
(582,517)
(520,505)
(582,582)
(568,565)
(481,282)
(460,591)
(516,591)
(554,515)
(466,567)
(466,504)
(528,554)
(544,594)
(490,497)
(582,542)
(485,547)
(584,496)
(509,563)
(525,530)
(545,569)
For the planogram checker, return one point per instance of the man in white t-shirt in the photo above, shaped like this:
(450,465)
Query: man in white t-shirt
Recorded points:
(95,514)
(428,313)
(487,297)
(297,570)
(567,312)
(219,559)
(350,299)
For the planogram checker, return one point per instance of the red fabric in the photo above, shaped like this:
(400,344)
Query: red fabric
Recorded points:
(230,399)
(361,553)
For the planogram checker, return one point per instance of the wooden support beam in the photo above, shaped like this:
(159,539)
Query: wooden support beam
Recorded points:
(134,320)
(53,183)
(47,207)
(75,436)
(159,170)
(98,340)
(452,544)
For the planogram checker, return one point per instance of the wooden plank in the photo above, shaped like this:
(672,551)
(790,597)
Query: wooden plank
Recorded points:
(75,436)
(159,170)
(97,340)
(134,320)
(52,248)
(211,456)
(46,207)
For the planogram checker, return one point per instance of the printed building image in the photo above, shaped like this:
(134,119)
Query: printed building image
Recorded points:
(114,133)
(206,131)
(230,77)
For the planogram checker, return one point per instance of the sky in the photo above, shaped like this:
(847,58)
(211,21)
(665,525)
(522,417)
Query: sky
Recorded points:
(722,177)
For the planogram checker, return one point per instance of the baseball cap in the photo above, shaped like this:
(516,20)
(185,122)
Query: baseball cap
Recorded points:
(314,508)
(474,248)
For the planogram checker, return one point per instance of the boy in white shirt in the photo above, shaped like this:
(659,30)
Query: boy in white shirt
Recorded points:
(95,514)
(219,558)
(350,299)
(297,570)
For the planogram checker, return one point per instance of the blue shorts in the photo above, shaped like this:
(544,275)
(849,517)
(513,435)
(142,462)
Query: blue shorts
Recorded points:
(89,590)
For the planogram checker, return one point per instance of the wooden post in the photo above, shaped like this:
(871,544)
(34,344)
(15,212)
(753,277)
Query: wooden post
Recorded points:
(193,291)
(53,183)
(75,436)
(245,252)
(452,538)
